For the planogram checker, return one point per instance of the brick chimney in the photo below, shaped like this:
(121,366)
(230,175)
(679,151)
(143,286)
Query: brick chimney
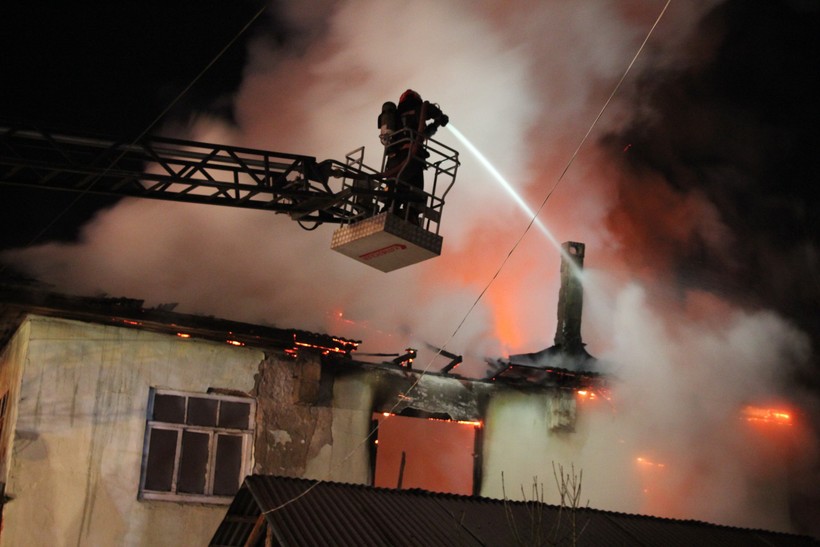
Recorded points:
(570,299)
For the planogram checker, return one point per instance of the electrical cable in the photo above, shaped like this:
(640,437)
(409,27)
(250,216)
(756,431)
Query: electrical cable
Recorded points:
(515,246)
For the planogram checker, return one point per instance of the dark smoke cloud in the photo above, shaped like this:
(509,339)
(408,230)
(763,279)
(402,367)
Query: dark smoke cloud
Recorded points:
(719,178)
(737,133)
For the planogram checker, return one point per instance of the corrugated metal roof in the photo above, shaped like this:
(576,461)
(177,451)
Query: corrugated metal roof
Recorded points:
(302,512)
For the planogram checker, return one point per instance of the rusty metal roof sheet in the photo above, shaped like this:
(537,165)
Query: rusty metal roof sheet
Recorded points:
(304,512)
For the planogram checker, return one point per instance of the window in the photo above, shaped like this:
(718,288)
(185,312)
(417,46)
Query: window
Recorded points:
(197,446)
(439,455)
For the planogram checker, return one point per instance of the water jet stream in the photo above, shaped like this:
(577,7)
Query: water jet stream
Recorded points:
(482,159)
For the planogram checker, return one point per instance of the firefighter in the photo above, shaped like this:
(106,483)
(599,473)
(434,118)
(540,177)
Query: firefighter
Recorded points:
(404,128)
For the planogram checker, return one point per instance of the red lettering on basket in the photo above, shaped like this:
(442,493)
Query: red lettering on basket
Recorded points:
(383,251)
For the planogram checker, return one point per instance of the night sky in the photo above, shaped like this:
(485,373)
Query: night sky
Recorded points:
(109,69)
(743,131)
(712,169)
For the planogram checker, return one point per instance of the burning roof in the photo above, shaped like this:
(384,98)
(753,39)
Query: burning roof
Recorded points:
(20,298)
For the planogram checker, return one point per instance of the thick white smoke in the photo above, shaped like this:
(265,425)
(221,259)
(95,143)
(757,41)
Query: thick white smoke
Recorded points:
(523,80)
(682,380)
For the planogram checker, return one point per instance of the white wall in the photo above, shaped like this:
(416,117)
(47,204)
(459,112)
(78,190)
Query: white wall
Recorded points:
(347,458)
(617,472)
(521,442)
(12,358)
(75,469)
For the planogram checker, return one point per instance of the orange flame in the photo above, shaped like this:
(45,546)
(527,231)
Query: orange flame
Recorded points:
(325,350)
(347,346)
(767,415)
(649,463)
(589,394)
(474,423)
(586,395)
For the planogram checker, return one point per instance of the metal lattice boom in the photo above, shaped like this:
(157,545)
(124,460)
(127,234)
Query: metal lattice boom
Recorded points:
(183,171)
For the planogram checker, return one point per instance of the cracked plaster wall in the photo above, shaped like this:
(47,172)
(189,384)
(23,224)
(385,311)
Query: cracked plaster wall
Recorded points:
(309,426)
(80,424)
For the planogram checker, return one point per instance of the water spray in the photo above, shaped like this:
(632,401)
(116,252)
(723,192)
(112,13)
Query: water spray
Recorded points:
(482,159)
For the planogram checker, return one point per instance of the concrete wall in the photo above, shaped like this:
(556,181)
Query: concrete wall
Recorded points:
(316,426)
(12,358)
(519,444)
(347,459)
(77,449)
(312,426)
(292,424)
(83,391)
(531,434)
(313,422)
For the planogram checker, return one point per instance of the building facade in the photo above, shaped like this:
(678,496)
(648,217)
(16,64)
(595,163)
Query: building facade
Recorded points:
(121,425)
(128,426)
(75,438)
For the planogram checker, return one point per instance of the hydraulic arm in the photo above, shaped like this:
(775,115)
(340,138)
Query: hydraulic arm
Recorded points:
(185,171)
(352,194)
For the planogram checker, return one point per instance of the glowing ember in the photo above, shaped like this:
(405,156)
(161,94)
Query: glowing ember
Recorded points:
(649,463)
(474,423)
(347,346)
(339,316)
(586,395)
(235,342)
(767,415)
(183,335)
(592,395)
(324,350)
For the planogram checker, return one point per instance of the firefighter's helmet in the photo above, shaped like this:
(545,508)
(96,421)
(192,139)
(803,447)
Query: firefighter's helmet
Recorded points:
(409,94)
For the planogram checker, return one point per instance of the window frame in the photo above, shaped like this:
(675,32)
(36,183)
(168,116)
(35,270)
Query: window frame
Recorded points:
(423,419)
(213,432)
(4,404)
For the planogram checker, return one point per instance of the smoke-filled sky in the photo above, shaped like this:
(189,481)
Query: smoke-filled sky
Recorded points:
(695,193)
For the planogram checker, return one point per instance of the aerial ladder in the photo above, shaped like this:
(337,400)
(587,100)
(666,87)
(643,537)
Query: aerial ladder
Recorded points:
(351,194)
